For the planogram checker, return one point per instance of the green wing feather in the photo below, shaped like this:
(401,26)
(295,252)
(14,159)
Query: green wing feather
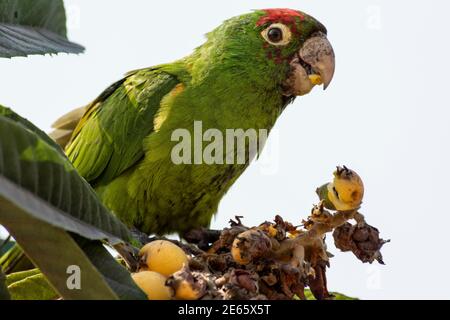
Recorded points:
(109,137)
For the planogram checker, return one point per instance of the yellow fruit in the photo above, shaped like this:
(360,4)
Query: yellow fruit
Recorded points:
(238,255)
(163,256)
(185,291)
(153,284)
(347,190)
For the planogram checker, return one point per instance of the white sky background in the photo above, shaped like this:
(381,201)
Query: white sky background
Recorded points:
(386,115)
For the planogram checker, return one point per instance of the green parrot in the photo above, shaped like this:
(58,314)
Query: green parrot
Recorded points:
(245,74)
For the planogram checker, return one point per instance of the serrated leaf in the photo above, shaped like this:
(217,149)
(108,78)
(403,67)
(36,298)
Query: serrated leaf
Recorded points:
(34,27)
(43,182)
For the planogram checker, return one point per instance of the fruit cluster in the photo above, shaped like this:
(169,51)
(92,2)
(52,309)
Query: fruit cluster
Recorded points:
(275,260)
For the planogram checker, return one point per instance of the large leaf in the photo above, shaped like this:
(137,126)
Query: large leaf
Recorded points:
(8,113)
(14,260)
(33,27)
(53,251)
(41,197)
(30,285)
(117,277)
(40,180)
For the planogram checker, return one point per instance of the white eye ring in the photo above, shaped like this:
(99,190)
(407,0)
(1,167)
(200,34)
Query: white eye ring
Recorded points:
(286,34)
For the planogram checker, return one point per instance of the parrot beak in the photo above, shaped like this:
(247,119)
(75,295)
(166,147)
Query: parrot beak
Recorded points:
(318,53)
(313,65)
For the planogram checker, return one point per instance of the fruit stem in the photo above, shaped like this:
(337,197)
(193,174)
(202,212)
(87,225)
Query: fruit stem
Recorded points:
(316,232)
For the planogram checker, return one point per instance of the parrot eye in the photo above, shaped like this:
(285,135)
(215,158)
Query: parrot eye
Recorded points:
(277,34)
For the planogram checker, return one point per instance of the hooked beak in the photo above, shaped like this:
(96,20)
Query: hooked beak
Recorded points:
(313,65)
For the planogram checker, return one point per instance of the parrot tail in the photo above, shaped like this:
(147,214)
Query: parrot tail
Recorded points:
(64,126)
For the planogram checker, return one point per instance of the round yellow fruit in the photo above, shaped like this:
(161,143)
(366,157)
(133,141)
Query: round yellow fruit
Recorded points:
(347,190)
(153,284)
(185,291)
(238,255)
(164,257)
(350,191)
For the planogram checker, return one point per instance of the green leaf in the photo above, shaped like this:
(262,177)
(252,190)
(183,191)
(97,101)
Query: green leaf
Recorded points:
(14,260)
(34,27)
(53,251)
(8,113)
(337,296)
(340,296)
(41,181)
(117,277)
(21,275)
(30,285)
(4,294)
(41,197)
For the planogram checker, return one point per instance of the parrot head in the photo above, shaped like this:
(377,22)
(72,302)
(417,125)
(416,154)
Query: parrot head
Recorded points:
(276,48)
